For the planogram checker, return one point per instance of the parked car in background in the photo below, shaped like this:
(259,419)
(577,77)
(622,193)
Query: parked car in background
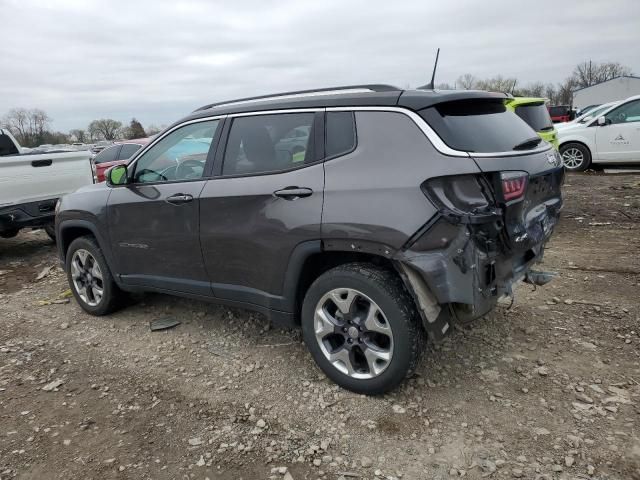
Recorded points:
(561,113)
(582,111)
(31,183)
(219,207)
(534,112)
(592,113)
(118,153)
(613,136)
(98,147)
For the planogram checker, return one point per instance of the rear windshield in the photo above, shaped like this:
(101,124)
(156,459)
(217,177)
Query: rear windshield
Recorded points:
(536,116)
(559,111)
(481,126)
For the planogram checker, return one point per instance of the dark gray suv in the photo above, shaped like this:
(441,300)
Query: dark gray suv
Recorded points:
(373,217)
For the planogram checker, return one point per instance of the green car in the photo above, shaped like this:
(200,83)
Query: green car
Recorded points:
(535,113)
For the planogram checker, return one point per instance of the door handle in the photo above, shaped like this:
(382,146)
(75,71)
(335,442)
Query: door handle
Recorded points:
(41,163)
(291,193)
(179,198)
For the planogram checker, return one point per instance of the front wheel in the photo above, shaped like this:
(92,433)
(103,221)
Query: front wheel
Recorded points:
(361,327)
(575,157)
(90,278)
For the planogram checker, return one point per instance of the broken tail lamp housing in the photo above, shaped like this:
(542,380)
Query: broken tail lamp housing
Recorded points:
(514,185)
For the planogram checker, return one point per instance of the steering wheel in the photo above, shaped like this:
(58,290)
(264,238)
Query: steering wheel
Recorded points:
(188,167)
(621,117)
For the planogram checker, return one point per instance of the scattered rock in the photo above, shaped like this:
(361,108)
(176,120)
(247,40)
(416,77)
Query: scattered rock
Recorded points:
(52,385)
(366,462)
(194,442)
(542,371)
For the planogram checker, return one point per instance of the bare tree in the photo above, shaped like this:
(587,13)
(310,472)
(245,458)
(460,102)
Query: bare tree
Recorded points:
(105,128)
(78,134)
(29,127)
(154,129)
(589,73)
(497,84)
(535,89)
(467,81)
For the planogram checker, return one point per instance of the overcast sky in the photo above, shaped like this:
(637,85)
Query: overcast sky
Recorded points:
(158,60)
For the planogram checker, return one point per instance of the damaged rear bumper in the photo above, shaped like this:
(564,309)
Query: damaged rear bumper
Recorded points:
(479,260)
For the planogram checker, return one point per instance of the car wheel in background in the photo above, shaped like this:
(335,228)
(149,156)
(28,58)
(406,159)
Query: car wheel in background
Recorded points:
(575,157)
(361,327)
(90,278)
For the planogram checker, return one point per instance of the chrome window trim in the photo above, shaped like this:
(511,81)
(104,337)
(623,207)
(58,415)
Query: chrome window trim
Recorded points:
(435,139)
(426,129)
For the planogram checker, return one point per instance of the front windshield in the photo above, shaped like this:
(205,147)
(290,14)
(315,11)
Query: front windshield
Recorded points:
(595,112)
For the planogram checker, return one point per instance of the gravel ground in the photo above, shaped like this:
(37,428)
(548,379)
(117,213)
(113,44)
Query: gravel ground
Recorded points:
(546,389)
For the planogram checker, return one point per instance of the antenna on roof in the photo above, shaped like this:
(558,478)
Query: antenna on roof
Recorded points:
(431,85)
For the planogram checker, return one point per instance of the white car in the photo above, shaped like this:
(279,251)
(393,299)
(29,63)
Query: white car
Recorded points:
(587,116)
(613,136)
(32,182)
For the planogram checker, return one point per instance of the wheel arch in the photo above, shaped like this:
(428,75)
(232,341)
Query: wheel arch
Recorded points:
(312,259)
(69,230)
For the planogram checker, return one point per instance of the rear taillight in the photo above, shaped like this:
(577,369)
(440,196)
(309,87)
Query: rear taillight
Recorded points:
(514,184)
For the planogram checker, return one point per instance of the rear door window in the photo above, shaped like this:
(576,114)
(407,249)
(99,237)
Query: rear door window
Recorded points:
(340,133)
(269,143)
(536,116)
(481,126)
(107,155)
(128,150)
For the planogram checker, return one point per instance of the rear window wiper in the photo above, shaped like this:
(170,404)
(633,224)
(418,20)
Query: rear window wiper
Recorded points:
(528,144)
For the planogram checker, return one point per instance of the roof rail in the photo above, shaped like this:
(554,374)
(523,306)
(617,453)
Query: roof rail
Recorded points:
(301,93)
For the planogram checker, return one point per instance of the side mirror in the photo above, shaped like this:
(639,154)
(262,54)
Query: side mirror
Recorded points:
(602,121)
(117,176)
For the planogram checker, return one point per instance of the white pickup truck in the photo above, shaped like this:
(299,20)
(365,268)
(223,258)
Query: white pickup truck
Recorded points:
(31,183)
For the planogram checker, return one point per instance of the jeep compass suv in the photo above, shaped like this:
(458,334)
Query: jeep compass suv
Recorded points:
(371,216)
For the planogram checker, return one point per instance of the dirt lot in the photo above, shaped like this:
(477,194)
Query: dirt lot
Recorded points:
(547,389)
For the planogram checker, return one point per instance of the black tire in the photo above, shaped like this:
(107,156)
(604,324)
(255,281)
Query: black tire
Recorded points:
(385,288)
(50,230)
(112,296)
(569,152)
(9,233)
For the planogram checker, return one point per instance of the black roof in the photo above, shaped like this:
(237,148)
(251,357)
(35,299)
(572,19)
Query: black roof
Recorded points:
(351,96)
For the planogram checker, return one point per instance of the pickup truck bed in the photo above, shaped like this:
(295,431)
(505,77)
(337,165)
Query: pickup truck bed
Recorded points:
(31,183)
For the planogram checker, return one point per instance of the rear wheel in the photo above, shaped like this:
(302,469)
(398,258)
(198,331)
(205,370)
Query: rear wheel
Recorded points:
(362,328)
(90,279)
(575,157)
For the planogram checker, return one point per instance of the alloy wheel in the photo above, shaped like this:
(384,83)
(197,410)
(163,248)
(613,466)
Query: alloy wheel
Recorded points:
(87,277)
(353,333)
(572,158)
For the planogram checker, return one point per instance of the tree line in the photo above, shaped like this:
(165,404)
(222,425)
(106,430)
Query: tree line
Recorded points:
(583,75)
(32,127)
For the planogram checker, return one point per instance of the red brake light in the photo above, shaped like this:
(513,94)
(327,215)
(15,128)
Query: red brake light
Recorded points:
(514,184)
